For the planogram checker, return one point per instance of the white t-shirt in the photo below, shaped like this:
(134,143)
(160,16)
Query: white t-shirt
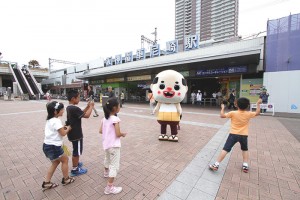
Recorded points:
(193,95)
(199,96)
(52,136)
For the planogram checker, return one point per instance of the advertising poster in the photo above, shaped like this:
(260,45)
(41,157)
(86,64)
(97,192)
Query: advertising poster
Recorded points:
(251,88)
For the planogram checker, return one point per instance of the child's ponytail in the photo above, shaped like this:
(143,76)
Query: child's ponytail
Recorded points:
(109,105)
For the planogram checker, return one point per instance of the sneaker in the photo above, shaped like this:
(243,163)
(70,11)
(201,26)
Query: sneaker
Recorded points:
(245,169)
(112,190)
(95,115)
(214,167)
(80,164)
(79,171)
(106,174)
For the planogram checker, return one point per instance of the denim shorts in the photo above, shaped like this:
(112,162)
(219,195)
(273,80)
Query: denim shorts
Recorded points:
(234,138)
(52,152)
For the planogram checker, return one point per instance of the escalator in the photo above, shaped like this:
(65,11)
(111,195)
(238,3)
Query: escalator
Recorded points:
(31,81)
(21,81)
(25,80)
(18,78)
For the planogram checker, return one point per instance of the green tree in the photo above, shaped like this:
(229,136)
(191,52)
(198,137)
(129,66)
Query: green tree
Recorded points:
(33,63)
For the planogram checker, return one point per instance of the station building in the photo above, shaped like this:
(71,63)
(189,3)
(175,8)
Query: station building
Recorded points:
(211,68)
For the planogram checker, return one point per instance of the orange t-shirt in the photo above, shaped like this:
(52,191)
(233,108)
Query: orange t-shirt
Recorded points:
(240,121)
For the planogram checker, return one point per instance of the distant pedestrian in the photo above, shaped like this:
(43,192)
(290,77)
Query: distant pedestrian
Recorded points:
(193,97)
(110,93)
(91,98)
(52,147)
(238,131)
(214,96)
(48,96)
(231,100)
(122,97)
(219,97)
(199,97)
(204,94)
(74,116)
(264,96)
(151,101)
(111,134)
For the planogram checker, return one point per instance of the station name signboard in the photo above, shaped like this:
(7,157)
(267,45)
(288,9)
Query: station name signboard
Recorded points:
(223,70)
(191,42)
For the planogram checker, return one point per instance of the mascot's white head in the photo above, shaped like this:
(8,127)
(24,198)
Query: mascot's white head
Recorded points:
(169,86)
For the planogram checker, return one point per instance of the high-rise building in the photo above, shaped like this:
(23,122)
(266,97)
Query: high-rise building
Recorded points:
(209,19)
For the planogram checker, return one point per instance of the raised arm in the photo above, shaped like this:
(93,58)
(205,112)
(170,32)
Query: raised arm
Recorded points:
(222,113)
(259,101)
(88,110)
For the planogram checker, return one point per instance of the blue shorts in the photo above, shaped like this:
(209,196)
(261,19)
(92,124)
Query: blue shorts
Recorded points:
(234,138)
(77,147)
(52,152)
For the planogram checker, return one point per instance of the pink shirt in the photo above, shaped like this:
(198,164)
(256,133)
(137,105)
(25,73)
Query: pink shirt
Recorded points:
(109,137)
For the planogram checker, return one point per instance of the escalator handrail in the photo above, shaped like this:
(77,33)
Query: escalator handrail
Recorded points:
(15,77)
(26,82)
(35,82)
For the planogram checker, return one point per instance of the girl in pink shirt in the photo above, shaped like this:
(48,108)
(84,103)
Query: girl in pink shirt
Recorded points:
(110,130)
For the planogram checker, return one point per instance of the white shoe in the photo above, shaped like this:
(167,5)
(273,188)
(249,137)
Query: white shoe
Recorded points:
(112,190)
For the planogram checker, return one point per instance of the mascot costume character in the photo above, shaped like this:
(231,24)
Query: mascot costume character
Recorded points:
(169,88)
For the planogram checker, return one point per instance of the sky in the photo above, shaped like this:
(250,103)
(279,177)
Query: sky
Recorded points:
(81,31)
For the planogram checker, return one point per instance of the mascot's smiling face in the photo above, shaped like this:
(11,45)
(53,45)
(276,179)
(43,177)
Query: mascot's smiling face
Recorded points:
(169,87)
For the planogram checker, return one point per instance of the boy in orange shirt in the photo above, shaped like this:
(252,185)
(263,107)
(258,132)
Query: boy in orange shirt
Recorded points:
(238,130)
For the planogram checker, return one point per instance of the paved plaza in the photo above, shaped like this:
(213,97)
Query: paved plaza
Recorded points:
(153,169)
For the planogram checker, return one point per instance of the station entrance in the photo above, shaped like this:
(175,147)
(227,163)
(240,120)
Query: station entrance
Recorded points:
(210,85)
(207,85)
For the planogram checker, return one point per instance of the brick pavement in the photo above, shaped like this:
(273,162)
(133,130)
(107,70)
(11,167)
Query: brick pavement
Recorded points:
(148,166)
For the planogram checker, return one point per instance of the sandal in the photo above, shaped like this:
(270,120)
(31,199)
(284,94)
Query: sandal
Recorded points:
(48,185)
(173,138)
(67,181)
(163,137)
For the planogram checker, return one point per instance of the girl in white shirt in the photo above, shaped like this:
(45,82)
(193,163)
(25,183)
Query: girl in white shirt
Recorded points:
(52,147)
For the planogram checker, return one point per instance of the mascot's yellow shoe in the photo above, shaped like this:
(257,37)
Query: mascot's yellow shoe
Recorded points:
(163,137)
(173,138)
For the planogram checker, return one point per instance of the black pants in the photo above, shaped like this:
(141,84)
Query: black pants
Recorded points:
(231,104)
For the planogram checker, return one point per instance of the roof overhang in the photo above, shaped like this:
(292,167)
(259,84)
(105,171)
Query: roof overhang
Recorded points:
(235,53)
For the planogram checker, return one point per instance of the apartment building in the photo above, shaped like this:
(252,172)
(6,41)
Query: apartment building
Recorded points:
(209,19)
